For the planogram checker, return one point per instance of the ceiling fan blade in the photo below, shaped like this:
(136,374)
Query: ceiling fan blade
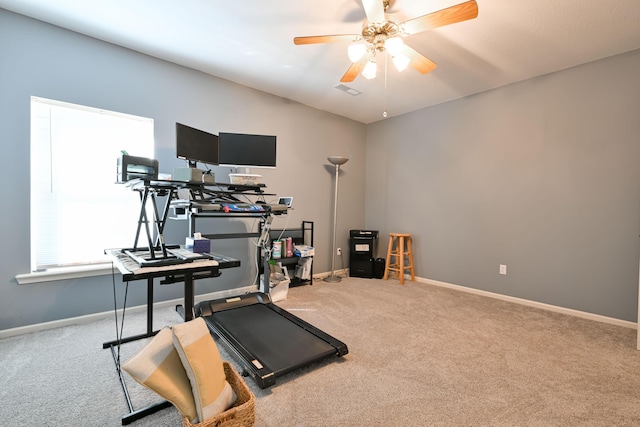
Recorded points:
(325,39)
(354,70)
(419,61)
(450,15)
(374,10)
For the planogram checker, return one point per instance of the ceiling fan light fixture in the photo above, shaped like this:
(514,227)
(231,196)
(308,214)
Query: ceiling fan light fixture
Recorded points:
(401,62)
(356,51)
(370,70)
(394,45)
(382,33)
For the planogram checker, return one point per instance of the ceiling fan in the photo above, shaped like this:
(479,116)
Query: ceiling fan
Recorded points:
(380,32)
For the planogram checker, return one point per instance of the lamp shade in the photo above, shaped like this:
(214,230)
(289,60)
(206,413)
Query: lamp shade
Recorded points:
(370,70)
(338,160)
(356,51)
(401,61)
(394,45)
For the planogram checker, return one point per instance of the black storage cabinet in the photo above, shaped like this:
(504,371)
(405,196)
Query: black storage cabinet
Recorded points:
(362,251)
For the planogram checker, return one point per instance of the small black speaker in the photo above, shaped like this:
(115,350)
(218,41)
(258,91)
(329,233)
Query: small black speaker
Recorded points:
(378,268)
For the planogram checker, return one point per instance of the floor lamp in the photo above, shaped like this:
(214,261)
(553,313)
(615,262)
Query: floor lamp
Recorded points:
(336,161)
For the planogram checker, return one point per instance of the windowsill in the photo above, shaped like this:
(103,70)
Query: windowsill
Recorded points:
(65,273)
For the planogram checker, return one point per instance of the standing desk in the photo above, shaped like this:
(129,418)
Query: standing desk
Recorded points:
(159,261)
(187,273)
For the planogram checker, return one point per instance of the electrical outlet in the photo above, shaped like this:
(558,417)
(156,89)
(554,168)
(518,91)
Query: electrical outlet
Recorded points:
(339,251)
(503,269)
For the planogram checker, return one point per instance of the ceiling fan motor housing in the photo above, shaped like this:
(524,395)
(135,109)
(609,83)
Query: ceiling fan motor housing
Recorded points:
(378,33)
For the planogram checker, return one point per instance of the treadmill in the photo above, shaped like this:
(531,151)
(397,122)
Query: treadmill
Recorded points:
(267,340)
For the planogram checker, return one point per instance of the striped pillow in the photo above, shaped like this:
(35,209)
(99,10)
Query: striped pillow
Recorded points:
(158,367)
(201,360)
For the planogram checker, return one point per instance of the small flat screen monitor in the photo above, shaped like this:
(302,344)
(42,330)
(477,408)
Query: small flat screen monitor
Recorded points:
(196,145)
(286,201)
(244,150)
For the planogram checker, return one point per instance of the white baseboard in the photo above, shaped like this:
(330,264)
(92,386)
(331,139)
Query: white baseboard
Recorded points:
(343,273)
(21,330)
(6,333)
(549,307)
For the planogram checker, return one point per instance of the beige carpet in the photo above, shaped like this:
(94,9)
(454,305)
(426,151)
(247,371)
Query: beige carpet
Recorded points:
(418,356)
(422,355)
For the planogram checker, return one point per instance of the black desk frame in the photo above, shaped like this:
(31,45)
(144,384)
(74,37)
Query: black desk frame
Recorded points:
(184,273)
(187,273)
(199,192)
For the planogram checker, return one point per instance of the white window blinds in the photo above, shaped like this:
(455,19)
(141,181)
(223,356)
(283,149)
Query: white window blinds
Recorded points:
(77,209)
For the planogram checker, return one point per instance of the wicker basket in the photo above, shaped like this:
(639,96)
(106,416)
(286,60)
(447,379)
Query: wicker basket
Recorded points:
(241,414)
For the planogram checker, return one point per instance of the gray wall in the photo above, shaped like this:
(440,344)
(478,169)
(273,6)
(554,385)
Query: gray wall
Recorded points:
(541,176)
(38,59)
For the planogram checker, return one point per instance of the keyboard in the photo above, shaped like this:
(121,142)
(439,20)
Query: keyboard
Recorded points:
(242,207)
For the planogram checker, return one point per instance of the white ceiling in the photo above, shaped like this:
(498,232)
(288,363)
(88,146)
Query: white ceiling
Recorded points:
(251,42)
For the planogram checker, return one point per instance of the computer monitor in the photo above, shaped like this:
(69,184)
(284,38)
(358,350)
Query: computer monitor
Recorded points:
(195,145)
(245,150)
(286,201)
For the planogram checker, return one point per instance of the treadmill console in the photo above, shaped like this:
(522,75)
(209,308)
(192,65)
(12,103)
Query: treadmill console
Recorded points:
(207,308)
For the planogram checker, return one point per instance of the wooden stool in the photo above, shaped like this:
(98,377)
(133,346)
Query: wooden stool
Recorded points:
(402,250)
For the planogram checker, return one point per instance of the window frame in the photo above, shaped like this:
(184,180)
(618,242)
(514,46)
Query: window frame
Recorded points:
(98,266)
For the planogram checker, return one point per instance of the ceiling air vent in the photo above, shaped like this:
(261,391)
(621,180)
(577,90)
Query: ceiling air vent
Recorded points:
(349,90)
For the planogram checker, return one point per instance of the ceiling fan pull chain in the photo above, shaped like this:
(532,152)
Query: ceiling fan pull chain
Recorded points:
(386,60)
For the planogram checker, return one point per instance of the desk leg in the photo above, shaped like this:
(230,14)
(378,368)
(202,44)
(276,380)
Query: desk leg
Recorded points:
(150,306)
(134,415)
(150,332)
(141,413)
(186,310)
(189,297)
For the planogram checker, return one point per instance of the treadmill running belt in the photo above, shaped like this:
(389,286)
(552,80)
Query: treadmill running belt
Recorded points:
(266,339)
(277,342)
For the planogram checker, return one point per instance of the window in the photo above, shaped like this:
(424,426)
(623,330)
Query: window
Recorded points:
(77,209)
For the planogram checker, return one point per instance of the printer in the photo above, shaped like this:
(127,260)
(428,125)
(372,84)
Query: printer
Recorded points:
(133,167)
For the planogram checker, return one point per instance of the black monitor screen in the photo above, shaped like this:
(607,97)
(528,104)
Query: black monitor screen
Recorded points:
(239,149)
(196,145)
